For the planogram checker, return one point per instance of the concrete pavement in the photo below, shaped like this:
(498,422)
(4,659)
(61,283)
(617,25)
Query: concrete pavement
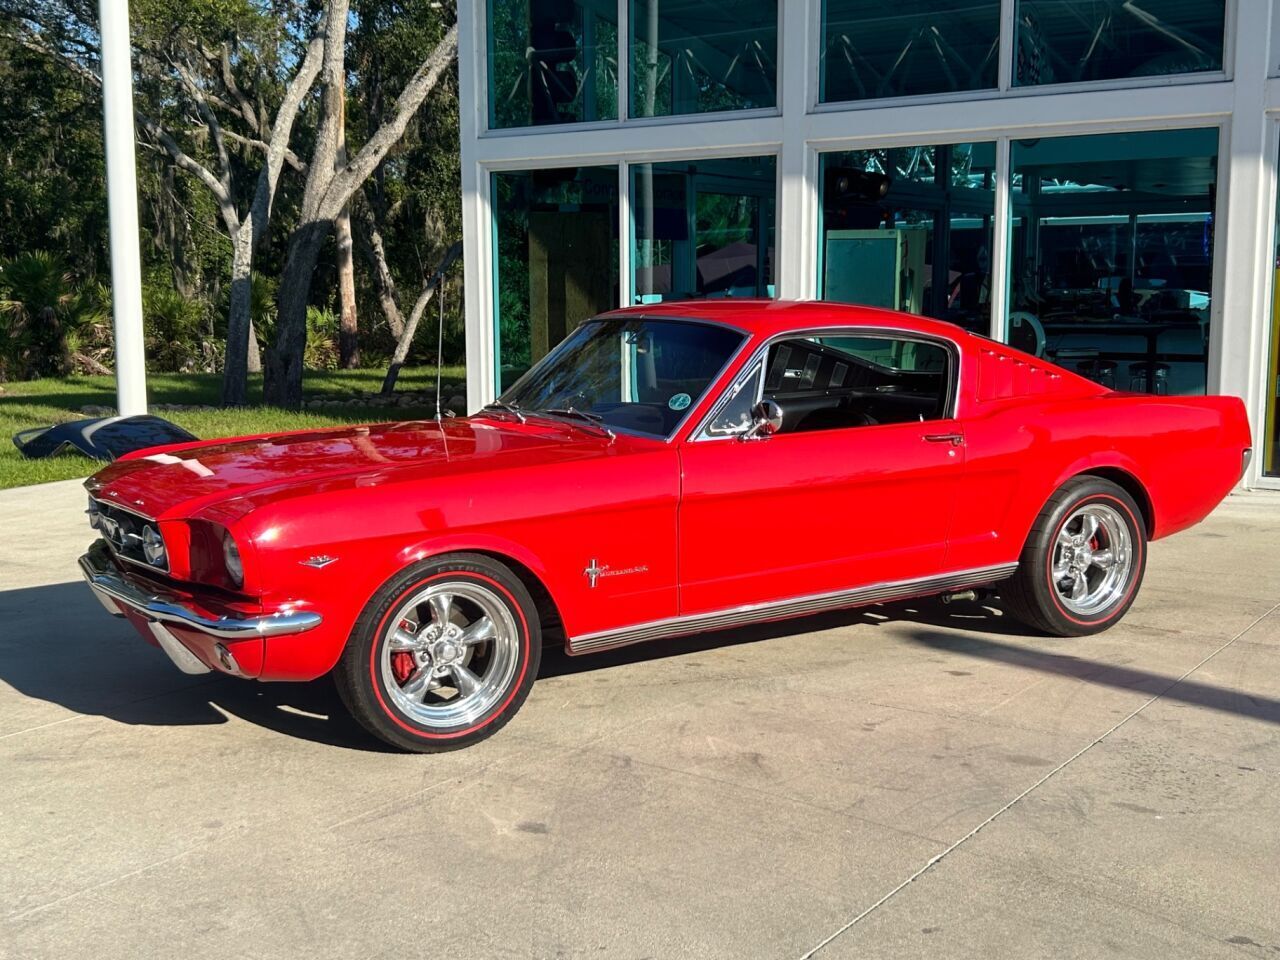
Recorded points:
(906,781)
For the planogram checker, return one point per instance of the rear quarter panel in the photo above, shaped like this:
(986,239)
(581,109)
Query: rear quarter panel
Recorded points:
(1022,444)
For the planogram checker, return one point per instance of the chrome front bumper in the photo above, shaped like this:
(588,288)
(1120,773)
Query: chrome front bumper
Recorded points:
(112,588)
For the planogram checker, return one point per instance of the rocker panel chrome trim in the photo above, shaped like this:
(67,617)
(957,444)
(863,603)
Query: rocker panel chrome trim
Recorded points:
(785,609)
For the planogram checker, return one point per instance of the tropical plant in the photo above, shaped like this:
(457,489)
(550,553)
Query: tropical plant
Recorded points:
(322,339)
(39,305)
(174,330)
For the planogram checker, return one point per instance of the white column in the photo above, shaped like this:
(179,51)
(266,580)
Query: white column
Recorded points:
(1241,311)
(1001,233)
(122,208)
(796,240)
(477,229)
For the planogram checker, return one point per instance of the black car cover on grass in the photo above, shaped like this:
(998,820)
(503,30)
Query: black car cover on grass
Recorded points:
(102,438)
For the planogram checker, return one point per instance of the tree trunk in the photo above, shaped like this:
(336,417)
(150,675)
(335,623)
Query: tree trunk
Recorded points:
(254,364)
(330,187)
(348,324)
(235,368)
(282,385)
(384,283)
(411,325)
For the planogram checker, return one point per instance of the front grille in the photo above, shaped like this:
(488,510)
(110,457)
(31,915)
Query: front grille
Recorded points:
(122,529)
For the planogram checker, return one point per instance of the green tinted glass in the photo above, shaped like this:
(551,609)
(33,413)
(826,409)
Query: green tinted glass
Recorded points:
(871,49)
(552,61)
(555,258)
(700,56)
(1066,41)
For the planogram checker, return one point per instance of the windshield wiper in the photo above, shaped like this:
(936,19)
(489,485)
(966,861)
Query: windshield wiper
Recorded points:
(577,417)
(573,412)
(505,407)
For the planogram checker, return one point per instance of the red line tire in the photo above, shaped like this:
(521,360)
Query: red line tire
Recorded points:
(1086,520)
(443,655)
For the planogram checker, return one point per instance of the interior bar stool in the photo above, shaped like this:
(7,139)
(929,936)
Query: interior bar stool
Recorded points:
(1099,371)
(1148,376)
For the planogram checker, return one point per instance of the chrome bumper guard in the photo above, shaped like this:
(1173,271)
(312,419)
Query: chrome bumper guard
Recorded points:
(108,585)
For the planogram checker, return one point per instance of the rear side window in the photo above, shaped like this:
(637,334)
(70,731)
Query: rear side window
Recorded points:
(838,382)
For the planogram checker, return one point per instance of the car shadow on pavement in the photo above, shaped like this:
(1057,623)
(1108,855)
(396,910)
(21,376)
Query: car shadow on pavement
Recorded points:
(58,646)
(986,617)
(1210,696)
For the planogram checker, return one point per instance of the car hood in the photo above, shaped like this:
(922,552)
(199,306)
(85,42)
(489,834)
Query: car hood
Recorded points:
(178,481)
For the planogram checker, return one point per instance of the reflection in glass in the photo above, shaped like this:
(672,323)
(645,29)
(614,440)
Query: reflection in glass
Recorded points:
(702,229)
(909,228)
(1112,255)
(873,49)
(552,61)
(555,258)
(700,56)
(1066,41)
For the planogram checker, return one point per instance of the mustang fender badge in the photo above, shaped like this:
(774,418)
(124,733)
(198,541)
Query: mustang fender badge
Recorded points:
(595,572)
(318,562)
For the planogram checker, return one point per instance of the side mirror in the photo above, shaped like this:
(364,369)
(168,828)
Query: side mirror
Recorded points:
(766,420)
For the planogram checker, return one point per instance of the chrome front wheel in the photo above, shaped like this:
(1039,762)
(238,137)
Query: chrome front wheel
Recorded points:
(1092,559)
(443,655)
(449,653)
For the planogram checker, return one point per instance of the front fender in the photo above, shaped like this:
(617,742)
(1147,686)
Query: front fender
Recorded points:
(340,591)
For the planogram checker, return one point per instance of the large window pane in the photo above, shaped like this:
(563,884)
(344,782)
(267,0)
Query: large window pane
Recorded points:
(703,229)
(875,49)
(555,258)
(1066,41)
(1112,255)
(909,228)
(552,61)
(699,56)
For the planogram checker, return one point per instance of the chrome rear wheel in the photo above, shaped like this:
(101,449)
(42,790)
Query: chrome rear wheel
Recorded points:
(1092,559)
(1083,560)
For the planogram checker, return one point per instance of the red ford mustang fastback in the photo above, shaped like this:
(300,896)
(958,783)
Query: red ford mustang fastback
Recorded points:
(665,471)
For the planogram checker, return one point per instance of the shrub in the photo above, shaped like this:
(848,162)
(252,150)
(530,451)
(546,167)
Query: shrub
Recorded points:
(39,307)
(322,339)
(174,330)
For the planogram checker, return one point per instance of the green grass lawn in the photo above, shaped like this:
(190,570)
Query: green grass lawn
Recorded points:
(37,403)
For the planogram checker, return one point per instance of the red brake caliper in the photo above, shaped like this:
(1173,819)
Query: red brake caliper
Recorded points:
(402,663)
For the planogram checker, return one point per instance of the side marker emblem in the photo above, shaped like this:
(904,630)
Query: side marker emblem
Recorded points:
(318,562)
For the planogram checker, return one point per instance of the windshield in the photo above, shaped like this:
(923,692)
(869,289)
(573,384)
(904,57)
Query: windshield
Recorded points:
(640,375)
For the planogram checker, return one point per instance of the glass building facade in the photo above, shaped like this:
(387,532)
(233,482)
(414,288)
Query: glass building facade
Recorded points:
(1071,177)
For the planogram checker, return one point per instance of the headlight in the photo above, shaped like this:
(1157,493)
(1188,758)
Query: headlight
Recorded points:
(231,557)
(94,513)
(153,547)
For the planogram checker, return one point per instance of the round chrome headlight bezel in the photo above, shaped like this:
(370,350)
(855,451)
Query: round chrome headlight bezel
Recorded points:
(232,560)
(153,548)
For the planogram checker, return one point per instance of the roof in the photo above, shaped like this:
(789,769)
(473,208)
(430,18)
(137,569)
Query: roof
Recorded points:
(769,317)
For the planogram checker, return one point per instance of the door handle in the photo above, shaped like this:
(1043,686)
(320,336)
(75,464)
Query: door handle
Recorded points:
(955,439)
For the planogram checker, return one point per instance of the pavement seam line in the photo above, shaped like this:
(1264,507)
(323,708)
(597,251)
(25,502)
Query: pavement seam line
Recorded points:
(938,858)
